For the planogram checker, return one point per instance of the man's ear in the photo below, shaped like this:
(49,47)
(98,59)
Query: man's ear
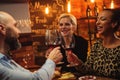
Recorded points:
(2,29)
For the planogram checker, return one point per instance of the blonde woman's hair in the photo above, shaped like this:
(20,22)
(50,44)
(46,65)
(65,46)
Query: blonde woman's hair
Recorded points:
(70,16)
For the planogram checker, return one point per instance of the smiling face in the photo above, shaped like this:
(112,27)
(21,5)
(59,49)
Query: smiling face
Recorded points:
(66,27)
(104,24)
(67,24)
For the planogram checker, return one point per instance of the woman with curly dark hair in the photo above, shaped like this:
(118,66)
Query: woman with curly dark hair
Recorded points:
(104,59)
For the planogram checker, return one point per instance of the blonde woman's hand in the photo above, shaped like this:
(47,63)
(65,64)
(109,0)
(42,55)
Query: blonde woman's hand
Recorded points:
(73,59)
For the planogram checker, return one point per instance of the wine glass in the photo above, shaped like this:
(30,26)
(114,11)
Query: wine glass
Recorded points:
(68,43)
(53,39)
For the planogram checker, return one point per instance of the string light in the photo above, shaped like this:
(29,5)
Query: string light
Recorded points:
(69,6)
(47,10)
(112,4)
(92,1)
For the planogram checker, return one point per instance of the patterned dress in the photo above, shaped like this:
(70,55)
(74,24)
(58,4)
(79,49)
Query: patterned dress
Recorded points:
(102,62)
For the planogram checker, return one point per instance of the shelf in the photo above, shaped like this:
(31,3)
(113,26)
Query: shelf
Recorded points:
(91,17)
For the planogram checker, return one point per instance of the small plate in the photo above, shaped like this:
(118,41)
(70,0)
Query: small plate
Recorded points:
(87,77)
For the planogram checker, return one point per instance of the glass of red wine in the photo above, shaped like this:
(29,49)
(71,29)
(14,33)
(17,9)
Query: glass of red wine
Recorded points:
(53,39)
(68,43)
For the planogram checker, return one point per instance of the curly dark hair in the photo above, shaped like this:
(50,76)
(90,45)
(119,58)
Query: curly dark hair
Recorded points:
(115,18)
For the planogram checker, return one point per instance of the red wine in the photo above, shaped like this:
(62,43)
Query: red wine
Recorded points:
(68,49)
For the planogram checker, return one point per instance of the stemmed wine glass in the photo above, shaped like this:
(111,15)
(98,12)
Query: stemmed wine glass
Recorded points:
(68,43)
(53,39)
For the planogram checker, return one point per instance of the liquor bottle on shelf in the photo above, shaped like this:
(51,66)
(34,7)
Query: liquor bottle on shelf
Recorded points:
(96,10)
(88,11)
(103,6)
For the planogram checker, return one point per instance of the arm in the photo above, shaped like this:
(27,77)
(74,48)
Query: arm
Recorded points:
(45,73)
(83,68)
(87,67)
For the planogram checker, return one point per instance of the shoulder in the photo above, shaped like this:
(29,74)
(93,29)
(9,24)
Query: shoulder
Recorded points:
(117,42)
(80,38)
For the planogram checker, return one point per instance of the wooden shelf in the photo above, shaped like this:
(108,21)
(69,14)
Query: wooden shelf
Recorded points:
(26,39)
(91,17)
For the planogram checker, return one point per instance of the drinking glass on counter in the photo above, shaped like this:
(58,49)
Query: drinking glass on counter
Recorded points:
(87,77)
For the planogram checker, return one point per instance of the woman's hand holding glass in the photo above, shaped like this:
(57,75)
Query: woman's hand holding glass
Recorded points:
(68,43)
(73,59)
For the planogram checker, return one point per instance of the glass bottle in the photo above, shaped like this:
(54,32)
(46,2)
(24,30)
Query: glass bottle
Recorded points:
(103,6)
(96,10)
(88,11)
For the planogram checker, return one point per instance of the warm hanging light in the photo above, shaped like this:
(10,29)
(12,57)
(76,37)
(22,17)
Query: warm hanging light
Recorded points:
(69,6)
(47,10)
(112,4)
(92,1)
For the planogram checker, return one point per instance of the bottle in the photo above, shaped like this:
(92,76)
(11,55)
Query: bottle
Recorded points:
(95,10)
(104,6)
(88,11)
